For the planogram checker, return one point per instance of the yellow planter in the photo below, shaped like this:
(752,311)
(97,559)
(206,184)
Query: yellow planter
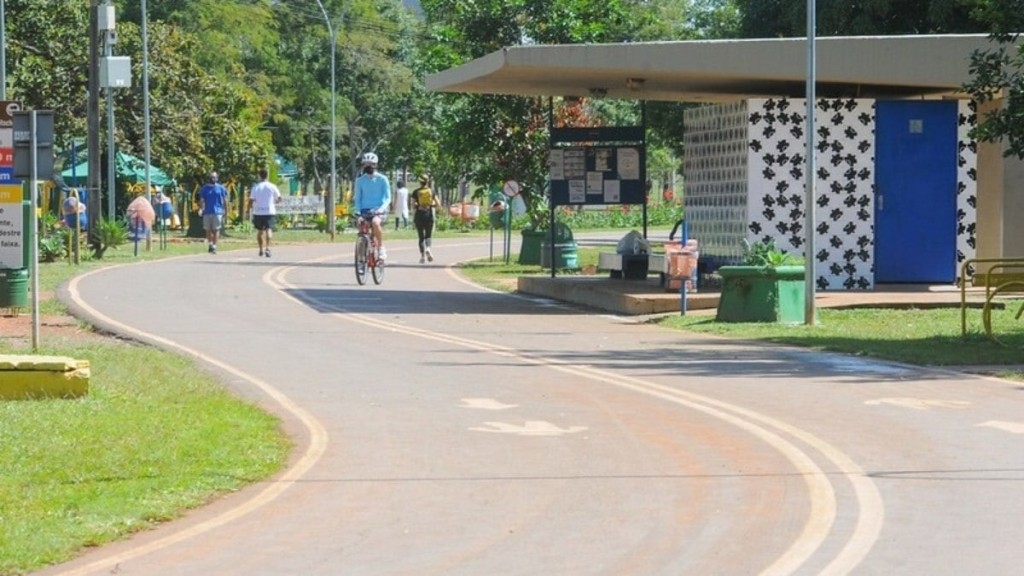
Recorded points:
(29,377)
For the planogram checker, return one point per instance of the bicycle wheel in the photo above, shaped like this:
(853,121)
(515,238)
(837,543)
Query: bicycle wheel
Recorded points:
(362,249)
(378,271)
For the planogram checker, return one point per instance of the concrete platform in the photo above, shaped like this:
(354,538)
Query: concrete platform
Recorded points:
(627,297)
(642,297)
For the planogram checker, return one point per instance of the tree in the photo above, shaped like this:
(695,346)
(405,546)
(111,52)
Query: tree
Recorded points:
(999,72)
(505,137)
(787,18)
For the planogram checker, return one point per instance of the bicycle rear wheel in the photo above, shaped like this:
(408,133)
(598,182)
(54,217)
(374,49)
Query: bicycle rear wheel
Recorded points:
(378,271)
(362,252)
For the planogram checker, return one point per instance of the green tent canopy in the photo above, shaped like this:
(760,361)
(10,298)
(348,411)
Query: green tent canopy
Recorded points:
(126,166)
(285,167)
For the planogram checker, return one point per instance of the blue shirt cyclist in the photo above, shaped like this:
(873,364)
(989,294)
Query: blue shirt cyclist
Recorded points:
(373,194)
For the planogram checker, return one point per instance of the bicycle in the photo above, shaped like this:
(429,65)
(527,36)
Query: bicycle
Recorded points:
(366,251)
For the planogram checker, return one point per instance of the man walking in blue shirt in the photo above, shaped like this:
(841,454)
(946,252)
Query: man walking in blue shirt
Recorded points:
(213,202)
(372,198)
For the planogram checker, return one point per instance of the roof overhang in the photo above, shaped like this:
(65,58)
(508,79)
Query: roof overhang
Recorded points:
(724,70)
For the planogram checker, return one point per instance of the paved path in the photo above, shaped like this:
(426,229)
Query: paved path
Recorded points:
(445,429)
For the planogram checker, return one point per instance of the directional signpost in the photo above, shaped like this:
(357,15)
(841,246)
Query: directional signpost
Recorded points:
(12,225)
(32,140)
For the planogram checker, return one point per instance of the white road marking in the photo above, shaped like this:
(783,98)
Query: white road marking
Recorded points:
(486,404)
(318,440)
(1011,427)
(919,403)
(821,496)
(530,428)
(820,493)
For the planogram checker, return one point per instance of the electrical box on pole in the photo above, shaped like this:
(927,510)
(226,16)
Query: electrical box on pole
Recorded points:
(115,72)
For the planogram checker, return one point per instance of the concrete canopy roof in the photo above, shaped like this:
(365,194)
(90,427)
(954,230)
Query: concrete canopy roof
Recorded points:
(723,70)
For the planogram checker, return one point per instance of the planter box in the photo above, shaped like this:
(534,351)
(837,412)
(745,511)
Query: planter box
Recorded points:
(759,294)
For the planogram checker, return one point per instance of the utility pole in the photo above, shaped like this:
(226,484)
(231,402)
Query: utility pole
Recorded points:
(329,197)
(93,127)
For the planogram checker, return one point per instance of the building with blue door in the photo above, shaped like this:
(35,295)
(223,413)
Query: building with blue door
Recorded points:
(902,193)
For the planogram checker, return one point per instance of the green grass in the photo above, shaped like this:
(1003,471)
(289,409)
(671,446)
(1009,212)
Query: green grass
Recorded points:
(499,276)
(135,451)
(916,336)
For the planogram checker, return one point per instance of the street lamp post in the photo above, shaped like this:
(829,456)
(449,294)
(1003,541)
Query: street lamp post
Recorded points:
(810,177)
(329,197)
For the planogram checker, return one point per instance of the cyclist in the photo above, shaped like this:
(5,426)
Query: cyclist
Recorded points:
(372,198)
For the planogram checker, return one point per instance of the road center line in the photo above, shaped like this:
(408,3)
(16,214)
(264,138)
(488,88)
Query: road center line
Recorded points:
(822,496)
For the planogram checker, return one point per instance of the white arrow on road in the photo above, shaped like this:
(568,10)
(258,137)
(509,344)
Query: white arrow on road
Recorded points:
(486,404)
(919,403)
(1011,427)
(531,428)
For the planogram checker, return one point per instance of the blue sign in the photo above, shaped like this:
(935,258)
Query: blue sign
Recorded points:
(7,175)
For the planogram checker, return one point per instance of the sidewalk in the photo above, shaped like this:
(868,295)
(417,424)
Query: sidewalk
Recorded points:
(642,297)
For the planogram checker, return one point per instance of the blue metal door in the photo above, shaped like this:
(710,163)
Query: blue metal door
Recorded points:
(915,191)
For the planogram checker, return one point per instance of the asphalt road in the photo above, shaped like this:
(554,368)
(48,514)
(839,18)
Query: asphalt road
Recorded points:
(443,429)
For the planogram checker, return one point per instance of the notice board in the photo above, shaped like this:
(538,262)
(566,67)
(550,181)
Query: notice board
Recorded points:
(597,166)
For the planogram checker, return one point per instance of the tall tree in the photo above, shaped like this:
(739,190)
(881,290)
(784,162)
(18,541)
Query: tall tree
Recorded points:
(787,18)
(502,137)
(999,72)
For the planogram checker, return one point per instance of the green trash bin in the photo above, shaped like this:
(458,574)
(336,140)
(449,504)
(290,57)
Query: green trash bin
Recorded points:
(566,255)
(14,288)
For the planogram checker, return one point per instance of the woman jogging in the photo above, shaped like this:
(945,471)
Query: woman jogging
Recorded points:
(424,201)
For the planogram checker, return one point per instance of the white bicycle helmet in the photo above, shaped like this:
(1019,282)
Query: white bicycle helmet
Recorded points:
(369,158)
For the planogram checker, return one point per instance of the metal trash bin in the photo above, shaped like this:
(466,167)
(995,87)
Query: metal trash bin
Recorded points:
(14,288)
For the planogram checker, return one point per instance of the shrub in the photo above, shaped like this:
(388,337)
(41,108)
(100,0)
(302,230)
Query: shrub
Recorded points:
(111,234)
(767,255)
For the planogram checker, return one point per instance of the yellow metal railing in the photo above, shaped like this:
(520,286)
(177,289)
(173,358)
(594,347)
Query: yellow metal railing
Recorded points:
(1004,275)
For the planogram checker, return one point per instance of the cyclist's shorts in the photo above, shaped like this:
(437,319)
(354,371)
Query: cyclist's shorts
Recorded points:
(368,215)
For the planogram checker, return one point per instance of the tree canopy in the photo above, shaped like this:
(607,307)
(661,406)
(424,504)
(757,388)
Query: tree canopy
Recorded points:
(233,81)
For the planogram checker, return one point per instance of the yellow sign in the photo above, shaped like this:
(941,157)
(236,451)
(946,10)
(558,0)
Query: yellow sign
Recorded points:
(12,228)
(11,194)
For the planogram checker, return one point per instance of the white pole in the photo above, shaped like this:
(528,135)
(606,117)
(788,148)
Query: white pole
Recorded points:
(108,51)
(329,197)
(145,107)
(33,192)
(810,178)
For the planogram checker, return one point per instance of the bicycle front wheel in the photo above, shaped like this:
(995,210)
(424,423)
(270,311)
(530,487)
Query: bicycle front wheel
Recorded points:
(362,253)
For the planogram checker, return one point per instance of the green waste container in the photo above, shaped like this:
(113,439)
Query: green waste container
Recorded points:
(529,253)
(566,255)
(14,288)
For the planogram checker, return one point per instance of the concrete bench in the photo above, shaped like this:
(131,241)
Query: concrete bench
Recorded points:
(632,266)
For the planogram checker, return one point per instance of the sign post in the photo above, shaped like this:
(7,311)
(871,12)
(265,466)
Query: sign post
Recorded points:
(33,159)
(13,241)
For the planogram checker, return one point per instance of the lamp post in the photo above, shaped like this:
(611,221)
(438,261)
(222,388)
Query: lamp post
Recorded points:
(145,102)
(329,197)
(810,177)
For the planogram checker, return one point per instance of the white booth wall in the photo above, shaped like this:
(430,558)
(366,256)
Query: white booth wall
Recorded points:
(744,166)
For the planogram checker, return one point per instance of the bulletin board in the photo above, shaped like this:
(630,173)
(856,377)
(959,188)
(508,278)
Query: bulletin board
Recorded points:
(595,166)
